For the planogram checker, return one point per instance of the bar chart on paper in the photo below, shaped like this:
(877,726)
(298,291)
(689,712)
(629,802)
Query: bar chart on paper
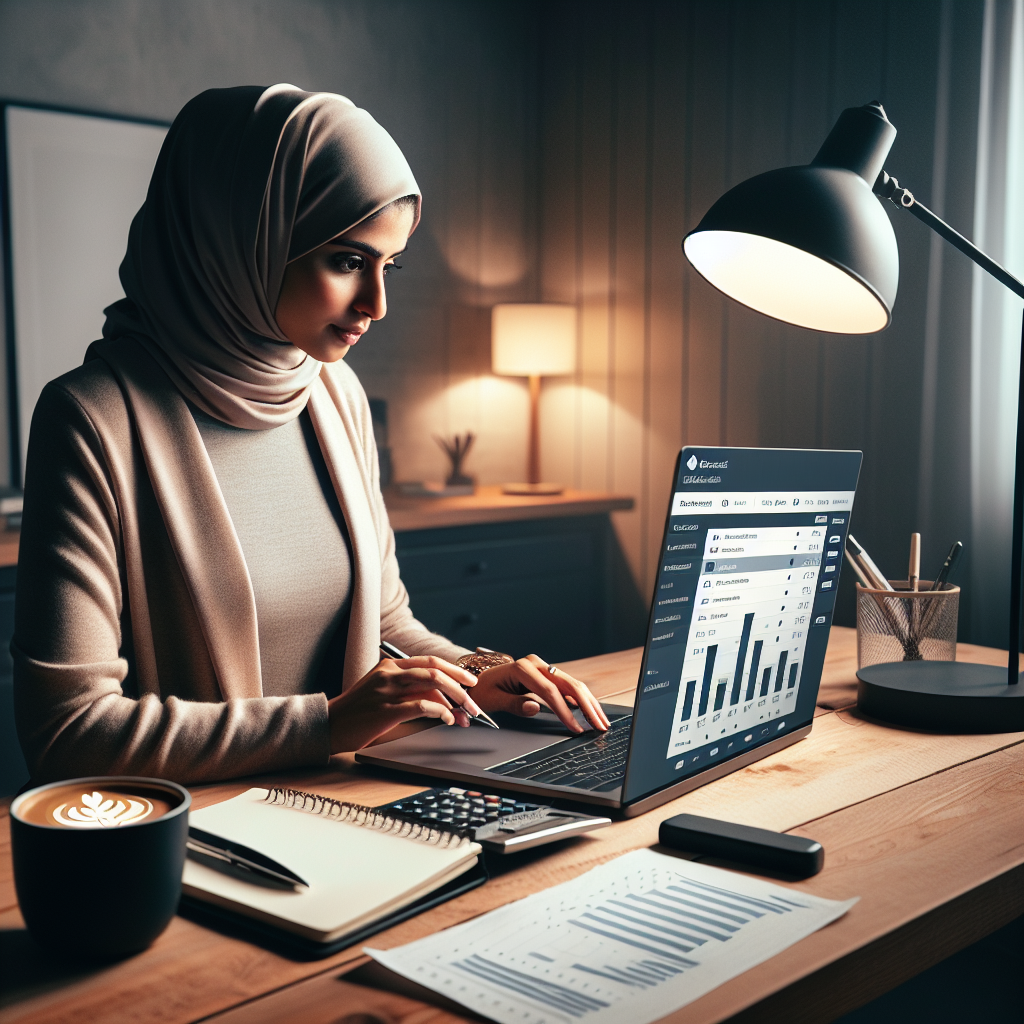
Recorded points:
(627,942)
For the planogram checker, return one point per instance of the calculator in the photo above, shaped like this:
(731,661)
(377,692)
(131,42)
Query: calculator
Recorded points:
(500,824)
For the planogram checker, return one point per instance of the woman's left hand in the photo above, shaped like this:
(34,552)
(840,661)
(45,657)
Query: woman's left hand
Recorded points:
(522,686)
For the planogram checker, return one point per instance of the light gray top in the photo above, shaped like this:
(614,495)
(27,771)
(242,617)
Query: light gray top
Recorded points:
(293,536)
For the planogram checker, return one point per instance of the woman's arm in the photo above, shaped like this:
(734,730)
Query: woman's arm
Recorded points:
(79,705)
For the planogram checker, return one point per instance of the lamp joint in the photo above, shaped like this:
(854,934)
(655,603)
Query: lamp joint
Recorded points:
(887,187)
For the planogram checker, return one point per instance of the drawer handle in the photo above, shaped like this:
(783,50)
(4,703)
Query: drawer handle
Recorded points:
(475,568)
(467,619)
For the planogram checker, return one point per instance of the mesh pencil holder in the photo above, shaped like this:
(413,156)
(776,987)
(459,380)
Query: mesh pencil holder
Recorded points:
(906,625)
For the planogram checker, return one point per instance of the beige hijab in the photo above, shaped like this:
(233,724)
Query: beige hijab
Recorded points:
(247,180)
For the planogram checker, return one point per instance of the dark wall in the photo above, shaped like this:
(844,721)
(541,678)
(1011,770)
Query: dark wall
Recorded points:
(454,83)
(650,111)
(564,149)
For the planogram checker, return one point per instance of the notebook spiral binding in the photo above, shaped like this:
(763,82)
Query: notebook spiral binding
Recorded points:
(390,822)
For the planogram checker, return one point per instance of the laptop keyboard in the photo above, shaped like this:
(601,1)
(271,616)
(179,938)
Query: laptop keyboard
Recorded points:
(597,764)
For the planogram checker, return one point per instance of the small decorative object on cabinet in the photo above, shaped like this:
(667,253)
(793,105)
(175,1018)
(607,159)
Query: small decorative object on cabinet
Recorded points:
(457,448)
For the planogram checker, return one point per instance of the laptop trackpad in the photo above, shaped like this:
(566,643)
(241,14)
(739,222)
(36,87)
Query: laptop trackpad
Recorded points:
(482,747)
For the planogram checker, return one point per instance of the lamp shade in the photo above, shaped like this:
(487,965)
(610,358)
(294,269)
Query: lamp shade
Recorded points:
(533,339)
(809,245)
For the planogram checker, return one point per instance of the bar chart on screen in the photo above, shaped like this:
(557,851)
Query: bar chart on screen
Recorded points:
(627,942)
(749,629)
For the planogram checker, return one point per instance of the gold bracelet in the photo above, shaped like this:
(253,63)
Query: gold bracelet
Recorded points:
(482,659)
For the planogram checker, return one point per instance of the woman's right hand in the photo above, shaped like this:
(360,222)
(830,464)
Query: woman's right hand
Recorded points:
(396,691)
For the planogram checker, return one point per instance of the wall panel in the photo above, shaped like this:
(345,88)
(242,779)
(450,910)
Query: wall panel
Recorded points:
(669,104)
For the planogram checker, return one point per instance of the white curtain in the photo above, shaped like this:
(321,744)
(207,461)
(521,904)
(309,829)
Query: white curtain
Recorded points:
(996,317)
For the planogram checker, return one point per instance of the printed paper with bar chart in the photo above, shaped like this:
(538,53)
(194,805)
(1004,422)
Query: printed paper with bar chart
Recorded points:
(625,943)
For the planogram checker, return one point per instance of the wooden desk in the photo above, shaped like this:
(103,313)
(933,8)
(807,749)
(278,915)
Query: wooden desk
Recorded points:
(926,829)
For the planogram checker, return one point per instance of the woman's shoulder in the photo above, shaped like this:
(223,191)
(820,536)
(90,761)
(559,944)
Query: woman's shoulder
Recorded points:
(91,385)
(86,400)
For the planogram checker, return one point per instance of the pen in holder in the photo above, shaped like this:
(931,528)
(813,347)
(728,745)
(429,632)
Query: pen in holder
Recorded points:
(906,625)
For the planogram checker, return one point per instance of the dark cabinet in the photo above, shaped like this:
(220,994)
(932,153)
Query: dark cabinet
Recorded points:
(545,586)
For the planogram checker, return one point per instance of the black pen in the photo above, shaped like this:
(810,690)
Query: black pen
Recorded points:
(393,652)
(947,566)
(239,856)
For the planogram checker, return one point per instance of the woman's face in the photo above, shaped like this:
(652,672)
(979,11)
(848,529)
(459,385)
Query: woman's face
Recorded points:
(330,295)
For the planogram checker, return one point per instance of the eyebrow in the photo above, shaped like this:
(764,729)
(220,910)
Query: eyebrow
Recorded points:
(362,247)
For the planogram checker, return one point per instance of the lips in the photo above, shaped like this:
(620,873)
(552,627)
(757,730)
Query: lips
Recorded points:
(348,335)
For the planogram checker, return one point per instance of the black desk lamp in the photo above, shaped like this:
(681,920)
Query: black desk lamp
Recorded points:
(811,246)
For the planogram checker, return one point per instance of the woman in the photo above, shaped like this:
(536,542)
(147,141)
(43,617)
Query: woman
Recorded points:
(206,565)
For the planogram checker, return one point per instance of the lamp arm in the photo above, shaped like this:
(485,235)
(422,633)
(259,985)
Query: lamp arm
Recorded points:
(889,188)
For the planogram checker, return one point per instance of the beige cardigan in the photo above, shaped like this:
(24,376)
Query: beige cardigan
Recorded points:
(135,646)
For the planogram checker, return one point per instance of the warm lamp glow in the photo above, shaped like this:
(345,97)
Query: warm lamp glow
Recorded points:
(786,283)
(533,339)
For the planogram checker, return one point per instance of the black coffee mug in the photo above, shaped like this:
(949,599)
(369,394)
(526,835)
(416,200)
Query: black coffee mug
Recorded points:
(100,891)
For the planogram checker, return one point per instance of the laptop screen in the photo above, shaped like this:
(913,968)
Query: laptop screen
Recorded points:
(746,587)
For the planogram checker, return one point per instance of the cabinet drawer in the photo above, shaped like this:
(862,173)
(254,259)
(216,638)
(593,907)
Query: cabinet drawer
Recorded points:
(454,565)
(554,617)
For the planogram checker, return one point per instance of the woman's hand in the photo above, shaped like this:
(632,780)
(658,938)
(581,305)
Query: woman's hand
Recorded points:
(396,691)
(522,686)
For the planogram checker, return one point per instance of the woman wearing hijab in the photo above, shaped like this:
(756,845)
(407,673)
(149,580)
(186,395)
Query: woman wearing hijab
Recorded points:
(206,566)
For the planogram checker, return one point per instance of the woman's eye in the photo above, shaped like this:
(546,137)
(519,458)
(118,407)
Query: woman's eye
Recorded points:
(388,267)
(349,263)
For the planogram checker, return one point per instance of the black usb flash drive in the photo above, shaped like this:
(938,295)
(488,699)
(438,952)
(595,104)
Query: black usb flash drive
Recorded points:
(756,847)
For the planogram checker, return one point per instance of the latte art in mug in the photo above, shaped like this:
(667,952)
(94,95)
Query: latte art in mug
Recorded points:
(92,838)
(97,810)
(96,806)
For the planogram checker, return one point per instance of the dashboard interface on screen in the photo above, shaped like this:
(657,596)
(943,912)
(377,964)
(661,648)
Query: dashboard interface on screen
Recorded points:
(742,606)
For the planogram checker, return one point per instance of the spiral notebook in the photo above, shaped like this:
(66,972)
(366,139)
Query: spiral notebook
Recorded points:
(362,865)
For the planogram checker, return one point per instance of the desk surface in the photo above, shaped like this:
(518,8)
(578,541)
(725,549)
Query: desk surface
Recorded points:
(926,829)
(489,505)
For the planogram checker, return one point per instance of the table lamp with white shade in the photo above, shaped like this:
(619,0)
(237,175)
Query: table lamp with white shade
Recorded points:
(533,340)
(812,246)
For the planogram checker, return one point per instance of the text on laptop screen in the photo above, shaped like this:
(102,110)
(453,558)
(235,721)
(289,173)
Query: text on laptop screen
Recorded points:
(744,597)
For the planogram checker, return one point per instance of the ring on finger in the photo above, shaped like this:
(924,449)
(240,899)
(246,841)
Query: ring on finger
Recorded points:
(552,670)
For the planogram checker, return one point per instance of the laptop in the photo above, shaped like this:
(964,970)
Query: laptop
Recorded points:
(739,623)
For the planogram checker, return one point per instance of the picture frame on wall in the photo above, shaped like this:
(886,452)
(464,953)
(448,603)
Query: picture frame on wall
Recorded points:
(72,182)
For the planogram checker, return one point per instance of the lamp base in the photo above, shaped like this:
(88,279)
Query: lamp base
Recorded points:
(532,490)
(944,696)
